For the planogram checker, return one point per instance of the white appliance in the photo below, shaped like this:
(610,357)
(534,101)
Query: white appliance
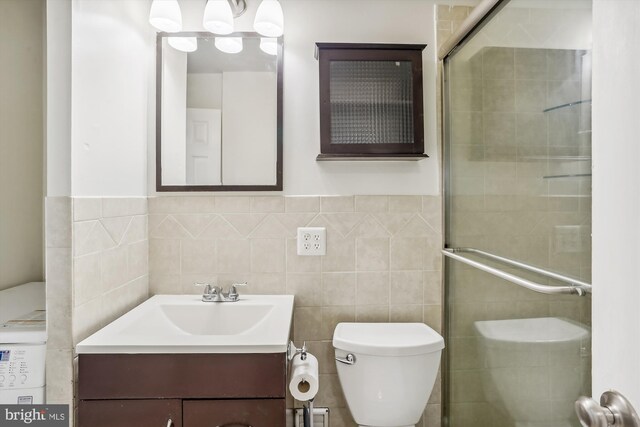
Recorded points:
(22,359)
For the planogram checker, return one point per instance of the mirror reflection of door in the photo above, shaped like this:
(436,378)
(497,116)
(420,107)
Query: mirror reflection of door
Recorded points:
(219,113)
(204,136)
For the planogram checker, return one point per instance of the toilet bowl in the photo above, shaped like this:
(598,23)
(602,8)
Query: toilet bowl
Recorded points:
(535,368)
(387,370)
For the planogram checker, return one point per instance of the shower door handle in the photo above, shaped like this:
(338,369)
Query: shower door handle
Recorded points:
(614,410)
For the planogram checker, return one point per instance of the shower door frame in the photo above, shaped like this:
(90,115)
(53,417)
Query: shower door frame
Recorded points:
(480,16)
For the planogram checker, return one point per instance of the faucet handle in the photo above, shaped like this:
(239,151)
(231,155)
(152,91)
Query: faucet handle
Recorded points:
(206,287)
(233,291)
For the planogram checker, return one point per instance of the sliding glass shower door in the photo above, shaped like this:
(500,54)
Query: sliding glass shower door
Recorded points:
(518,218)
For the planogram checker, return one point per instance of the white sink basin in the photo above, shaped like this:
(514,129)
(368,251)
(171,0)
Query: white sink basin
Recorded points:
(185,324)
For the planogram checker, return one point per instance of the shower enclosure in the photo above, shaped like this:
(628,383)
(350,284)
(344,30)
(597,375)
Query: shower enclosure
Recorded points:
(517,154)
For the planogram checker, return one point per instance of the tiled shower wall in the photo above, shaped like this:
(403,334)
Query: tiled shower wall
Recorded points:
(382,264)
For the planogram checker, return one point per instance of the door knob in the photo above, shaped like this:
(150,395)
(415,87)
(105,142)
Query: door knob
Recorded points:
(614,410)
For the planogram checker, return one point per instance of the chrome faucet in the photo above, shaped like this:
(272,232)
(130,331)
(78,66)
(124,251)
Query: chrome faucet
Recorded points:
(217,294)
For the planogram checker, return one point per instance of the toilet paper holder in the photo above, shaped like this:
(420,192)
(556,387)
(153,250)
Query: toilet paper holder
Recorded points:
(293,351)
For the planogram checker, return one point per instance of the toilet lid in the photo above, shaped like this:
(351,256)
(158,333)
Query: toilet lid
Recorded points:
(387,339)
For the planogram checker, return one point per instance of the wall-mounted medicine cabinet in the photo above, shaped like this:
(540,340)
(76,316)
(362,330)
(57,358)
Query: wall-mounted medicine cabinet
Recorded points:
(371,104)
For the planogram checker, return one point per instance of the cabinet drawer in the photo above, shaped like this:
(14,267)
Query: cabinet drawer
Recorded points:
(178,376)
(234,413)
(130,413)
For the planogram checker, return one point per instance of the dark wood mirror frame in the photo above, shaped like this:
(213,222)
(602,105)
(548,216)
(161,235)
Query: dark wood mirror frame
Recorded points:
(279,115)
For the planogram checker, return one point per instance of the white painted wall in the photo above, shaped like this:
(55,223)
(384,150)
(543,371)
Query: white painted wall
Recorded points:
(204,90)
(174,116)
(249,145)
(58,98)
(372,21)
(616,198)
(21,141)
(113,59)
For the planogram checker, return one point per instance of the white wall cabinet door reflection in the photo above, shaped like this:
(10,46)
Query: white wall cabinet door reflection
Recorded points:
(203,146)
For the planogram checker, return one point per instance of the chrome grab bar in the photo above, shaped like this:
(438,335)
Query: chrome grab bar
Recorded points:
(576,287)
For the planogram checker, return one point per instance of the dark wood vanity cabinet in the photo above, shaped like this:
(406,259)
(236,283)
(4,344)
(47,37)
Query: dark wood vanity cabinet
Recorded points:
(130,413)
(175,390)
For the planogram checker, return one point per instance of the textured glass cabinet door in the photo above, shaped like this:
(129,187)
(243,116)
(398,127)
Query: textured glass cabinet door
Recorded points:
(371,99)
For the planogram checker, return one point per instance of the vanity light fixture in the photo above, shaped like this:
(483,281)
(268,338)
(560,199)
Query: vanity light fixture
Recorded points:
(269,45)
(229,44)
(218,17)
(269,20)
(165,15)
(184,44)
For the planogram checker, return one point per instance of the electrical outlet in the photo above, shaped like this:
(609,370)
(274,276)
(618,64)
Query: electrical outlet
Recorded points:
(312,241)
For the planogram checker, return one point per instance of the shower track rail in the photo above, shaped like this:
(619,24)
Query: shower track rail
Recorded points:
(576,287)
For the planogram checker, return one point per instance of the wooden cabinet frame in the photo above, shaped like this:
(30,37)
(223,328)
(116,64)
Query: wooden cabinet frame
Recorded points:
(328,52)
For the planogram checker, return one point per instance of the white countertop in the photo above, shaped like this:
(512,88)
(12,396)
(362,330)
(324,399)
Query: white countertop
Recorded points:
(184,324)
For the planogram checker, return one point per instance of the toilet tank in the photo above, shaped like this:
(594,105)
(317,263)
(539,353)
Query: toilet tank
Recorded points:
(395,368)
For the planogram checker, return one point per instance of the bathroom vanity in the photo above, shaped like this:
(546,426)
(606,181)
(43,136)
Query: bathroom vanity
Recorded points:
(177,361)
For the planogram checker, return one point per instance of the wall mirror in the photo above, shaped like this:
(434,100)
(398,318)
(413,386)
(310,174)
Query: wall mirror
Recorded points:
(218,112)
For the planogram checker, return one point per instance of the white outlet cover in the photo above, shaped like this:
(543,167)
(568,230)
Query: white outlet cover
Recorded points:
(312,241)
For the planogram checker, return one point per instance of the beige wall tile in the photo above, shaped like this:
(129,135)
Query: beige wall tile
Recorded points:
(300,263)
(138,259)
(372,288)
(406,287)
(372,204)
(406,313)
(407,253)
(58,222)
(124,206)
(87,278)
(267,204)
(432,287)
(267,255)
(265,284)
(87,208)
(233,204)
(341,254)
(372,254)
(337,204)
(333,315)
(307,288)
(198,256)
(302,204)
(338,289)
(160,284)
(59,377)
(405,204)
(115,268)
(306,321)
(164,256)
(372,313)
(234,256)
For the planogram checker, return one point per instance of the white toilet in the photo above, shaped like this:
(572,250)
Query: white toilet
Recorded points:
(387,370)
(535,368)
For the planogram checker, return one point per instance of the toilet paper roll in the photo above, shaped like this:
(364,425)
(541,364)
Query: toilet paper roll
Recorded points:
(304,378)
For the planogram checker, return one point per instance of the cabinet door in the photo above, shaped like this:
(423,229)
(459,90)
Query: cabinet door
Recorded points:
(130,413)
(234,413)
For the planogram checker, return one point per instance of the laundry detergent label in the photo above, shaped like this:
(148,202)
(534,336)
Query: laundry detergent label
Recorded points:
(34,415)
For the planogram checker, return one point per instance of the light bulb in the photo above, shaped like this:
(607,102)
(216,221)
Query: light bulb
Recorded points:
(184,44)
(165,15)
(229,44)
(269,20)
(269,45)
(218,17)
